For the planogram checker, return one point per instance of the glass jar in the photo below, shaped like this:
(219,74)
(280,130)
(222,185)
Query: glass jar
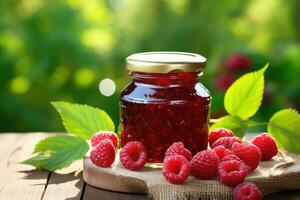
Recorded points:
(165,103)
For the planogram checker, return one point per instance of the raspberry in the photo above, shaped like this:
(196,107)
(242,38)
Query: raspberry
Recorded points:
(103,155)
(226,142)
(177,148)
(176,169)
(222,152)
(133,155)
(99,136)
(246,191)
(267,146)
(231,157)
(238,61)
(204,164)
(248,153)
(217,133)
(223,82)
(232,172)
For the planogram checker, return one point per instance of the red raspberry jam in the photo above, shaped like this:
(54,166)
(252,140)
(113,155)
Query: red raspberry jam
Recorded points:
(159,109)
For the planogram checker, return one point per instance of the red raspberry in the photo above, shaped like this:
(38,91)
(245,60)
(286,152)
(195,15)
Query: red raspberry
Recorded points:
(238,61)
(231,157)
(205,164)
(226,142)
(267,146)
(232,172)
(222,152)
(99,136)
(133,155)
(248,153)
(103,155)
(246,191)
(217,133)
(176,169)
(223,82)
(177,148)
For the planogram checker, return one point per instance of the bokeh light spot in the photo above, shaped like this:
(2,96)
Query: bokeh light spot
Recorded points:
(84,77)
(177,6)
(107,87)
(58,78)
(11,42)
(19,85)
(99,39)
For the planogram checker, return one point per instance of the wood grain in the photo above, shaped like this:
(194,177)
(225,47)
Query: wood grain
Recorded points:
(20,181)
(64,186)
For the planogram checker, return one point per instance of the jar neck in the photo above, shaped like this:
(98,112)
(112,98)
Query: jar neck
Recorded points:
(178,78)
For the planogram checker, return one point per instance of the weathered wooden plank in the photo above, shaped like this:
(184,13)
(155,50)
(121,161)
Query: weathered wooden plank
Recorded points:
(6,140)
(64,186)
(92,193)
(20,181)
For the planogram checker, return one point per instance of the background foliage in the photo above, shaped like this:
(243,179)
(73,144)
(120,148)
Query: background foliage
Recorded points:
(61,50)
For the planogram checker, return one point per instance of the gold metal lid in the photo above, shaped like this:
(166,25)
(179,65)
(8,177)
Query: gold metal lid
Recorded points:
(165,62)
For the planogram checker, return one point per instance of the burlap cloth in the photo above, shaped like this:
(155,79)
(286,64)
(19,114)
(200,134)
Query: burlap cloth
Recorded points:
(271,176)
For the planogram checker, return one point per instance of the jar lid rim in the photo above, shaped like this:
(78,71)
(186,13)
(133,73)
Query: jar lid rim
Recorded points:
(165,62)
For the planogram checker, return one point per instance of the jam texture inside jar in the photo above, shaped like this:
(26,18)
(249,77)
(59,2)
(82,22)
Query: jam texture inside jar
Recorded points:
(165,103)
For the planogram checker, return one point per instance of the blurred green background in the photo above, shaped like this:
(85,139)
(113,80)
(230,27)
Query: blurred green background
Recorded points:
(62,49)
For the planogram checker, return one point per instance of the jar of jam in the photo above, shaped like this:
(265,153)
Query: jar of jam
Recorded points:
(165,102)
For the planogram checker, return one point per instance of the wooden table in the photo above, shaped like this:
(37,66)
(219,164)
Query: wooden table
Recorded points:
(18,181)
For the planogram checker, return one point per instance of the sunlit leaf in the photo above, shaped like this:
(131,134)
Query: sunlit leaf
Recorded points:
(244,96)
(83,120)
(285,128)
(57,152)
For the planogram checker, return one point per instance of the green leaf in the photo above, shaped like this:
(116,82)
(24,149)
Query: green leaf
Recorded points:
(244,96)
(119,131)
(285,128)
(83,120)
(57,152)
(236,124)
(251,123)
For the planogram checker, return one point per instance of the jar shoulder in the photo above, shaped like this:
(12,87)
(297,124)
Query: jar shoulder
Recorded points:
(145,92)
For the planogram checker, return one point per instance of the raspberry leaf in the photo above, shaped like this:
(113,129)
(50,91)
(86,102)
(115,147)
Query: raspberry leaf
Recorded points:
(284,127)
(243,98)
(119,132)
(57,152)
(235,124)
(83,120)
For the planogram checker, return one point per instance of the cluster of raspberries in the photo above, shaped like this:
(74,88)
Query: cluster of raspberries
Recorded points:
(228,159)
(104,144)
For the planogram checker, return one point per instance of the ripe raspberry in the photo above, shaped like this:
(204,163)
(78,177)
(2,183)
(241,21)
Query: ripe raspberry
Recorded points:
(232,172)
(176,169)
(204,164)
(267,146)
(223,82)
(103,155)
(217,133)
(231,157)
(248,153)
(227,142)
(133,155)
(246,191)
(238,61)
(177,148)
(99,136)
(222,152)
